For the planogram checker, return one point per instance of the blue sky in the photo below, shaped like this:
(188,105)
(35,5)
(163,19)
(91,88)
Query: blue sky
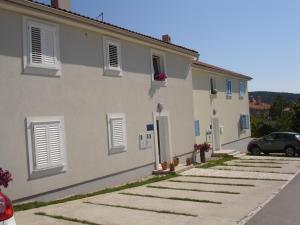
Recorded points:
(259,38)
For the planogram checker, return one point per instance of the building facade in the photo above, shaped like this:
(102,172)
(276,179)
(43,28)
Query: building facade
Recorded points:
(221,107)
(86,104)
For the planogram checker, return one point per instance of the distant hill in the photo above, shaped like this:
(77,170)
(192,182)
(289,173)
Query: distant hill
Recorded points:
(269,97)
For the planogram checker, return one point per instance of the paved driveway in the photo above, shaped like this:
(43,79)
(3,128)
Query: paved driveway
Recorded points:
(223,195)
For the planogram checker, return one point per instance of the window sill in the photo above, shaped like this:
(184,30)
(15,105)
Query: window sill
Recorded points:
(160,83)
(42,70)
(113,72)
(47,172)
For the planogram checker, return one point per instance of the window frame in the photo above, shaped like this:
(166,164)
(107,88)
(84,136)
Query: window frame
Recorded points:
(247,121)
(50,170)
(40,68)
(163,67)
(242,91)
(228,90)
(109,70)
(111,149)
(212,85)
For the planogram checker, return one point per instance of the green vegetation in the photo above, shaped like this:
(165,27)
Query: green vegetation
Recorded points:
(143,209)
(172,198)
(282,116)
(269,96)
(66,218)
(196,190)
(213,183)
(31,205)
(238,178)
(216,162)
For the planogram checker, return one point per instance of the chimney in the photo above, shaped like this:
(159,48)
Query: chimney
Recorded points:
(166,38)
(61,4)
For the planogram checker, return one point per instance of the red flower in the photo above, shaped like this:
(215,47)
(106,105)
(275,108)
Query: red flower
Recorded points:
(5,177)
(160,77)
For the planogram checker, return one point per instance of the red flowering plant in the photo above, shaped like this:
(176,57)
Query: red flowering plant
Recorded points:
(160,77)
(5,178)
(202,147)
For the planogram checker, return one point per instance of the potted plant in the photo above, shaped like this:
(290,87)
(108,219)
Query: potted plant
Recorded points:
(176,161)
(205,147)
(172,167)
(160,76)
(164,165)
(5,178)
(188,161)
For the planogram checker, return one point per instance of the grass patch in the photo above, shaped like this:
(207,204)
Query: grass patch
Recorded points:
(66,218)
(196,190)
(216,162)
(238,178)
(32,205)
(258,171)
(213,183)
(262,166)
(144,209)
(172,198)
(260,162)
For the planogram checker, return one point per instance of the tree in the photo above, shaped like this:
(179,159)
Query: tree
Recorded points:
(296,117)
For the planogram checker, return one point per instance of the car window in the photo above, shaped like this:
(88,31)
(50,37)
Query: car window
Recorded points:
(270,137)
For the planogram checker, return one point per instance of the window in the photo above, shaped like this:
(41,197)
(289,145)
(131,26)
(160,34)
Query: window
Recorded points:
(245,122)
(242,89)
(213,86)
(158,68)
(117,132)
(228,88)
(112,57)
(46,145)
(40,48)
(197,128)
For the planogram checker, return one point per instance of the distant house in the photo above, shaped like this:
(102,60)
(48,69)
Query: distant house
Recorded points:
(258,107)
(221,107)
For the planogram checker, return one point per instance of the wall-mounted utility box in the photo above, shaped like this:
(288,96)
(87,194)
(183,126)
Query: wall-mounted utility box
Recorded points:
(145,140)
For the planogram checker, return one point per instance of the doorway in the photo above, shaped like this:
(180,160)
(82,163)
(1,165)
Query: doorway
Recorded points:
(162,135)
(216,133)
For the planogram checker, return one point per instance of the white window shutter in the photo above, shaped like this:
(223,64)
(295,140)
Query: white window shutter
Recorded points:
(41,154)
(49,47)
(117,133)
(36,44)
(113,55)
(55,143)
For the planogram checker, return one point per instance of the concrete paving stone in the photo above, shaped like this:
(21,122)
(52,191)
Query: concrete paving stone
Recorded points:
(236,174)
(26,218)
(210,187)
(217,180)
(290,170)
(181,194)
(264,157)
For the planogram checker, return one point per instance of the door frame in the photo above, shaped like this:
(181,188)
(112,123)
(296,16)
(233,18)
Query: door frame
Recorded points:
(213,133)
(156,152)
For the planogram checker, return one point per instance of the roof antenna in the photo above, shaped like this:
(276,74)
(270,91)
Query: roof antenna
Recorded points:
(101,15)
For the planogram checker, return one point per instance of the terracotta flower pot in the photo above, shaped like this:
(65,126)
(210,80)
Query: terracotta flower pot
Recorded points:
(164,165)
(176,161)
(188,161)
(172,167)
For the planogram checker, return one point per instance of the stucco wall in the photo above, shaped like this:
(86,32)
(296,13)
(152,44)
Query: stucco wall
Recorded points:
(228,109)
(84,96)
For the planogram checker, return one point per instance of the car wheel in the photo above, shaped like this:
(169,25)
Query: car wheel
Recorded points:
(255,150)
(290,151)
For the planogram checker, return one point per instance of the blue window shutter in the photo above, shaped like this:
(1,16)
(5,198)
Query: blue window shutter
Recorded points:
(247,122)
(197,128)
